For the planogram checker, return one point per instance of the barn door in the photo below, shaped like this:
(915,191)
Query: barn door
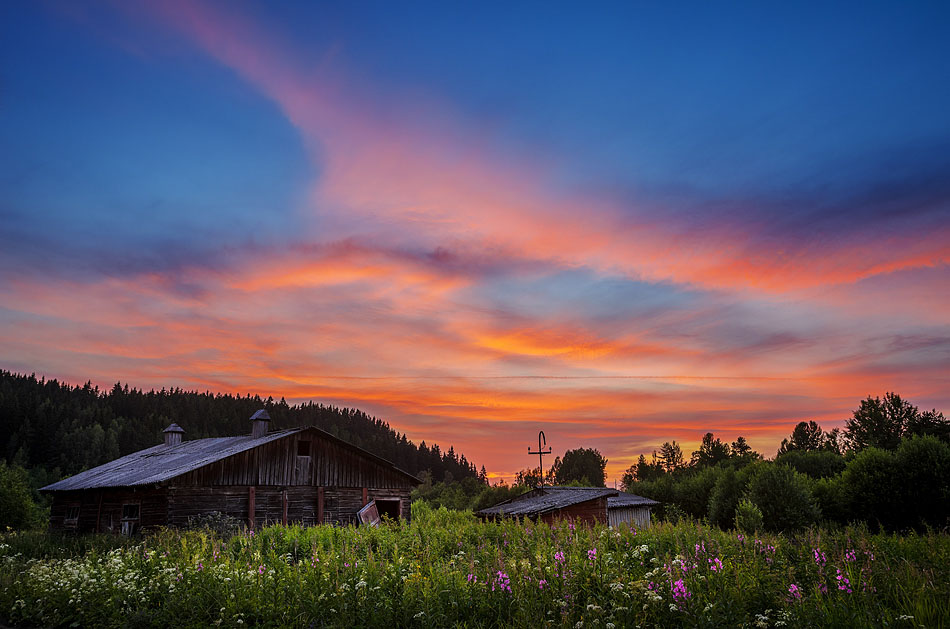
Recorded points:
(303,469)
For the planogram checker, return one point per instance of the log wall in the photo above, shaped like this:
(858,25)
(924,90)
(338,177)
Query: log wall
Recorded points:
(100,511)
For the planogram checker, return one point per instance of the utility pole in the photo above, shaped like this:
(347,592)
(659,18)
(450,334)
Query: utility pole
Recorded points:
(541,452)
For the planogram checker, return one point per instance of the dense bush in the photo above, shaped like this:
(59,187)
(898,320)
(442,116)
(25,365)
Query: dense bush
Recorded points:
(783,496)
(748,517)
(724,498)
(17,509)
(813,463)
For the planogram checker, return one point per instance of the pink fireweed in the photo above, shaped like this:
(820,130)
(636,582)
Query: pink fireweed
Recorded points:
(592,554)
(844,584)
(715,564)
(680,593)
(794,593)
(502,582)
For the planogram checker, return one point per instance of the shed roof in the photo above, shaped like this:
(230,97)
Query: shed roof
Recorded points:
(629,500)
(538,501)
(161,463)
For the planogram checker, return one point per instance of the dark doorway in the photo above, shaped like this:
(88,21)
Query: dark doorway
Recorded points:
(388,507)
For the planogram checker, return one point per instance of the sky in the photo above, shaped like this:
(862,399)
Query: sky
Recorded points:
(621,224)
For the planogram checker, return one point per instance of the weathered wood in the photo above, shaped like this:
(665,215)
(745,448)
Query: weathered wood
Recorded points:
(320,498)
(251,506)
(99,513)
(283,518)
(365,499)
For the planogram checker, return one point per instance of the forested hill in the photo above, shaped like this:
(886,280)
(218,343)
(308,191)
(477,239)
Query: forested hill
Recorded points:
(53,429)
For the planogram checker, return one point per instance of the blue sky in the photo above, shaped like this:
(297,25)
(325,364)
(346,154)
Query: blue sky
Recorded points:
(248,196)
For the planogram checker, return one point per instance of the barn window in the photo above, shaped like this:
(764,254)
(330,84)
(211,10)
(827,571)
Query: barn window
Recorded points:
(303,448)
(71,518)
(130,519)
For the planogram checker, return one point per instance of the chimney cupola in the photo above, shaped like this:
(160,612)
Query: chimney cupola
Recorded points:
(173,435)
(259,423)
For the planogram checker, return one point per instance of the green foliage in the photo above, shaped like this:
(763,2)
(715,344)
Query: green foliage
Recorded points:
(809,437)
(880,423)
(783,496)
(923,482)
(869,489)
(724,498)
(748,518)
(813,463)
(711,451)
(582,464)
(17,509)
(447,569)
(220,524)
(671,456)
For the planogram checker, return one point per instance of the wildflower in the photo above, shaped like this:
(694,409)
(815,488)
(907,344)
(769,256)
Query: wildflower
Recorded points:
(794,592)
(502,581)
(261,569)
(559,557)
(542,583)
(820,557)
(680,593)
(843,583)
(715,564)
(850,556)
(592,554)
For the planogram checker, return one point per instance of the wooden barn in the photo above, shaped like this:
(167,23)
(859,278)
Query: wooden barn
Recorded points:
(299,475)
(588,505)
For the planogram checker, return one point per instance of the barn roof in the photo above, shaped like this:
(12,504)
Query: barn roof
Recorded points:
(161,463)
(539,501)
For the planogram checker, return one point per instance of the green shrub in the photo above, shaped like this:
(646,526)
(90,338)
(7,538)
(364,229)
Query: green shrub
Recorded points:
(813,463)
(783,496)
(870,490)
(17,509)
(923,482)
(748,517)
(724,499)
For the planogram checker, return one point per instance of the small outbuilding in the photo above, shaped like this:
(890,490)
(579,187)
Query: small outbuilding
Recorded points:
(299,475)
(589,505)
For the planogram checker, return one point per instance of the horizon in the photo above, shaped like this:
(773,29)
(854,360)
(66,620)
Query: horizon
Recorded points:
(622,225)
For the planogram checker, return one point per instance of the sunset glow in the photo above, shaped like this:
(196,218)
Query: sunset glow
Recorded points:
(618,243)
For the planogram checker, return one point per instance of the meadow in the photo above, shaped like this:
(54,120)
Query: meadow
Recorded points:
(446,569)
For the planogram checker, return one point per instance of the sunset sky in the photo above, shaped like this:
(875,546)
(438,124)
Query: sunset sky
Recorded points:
(619,224)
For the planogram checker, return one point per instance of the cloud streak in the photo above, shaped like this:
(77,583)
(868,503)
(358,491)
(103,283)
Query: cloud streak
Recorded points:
(464,295)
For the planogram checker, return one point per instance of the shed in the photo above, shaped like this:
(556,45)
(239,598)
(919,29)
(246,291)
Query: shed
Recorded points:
(582,504)
(300,475)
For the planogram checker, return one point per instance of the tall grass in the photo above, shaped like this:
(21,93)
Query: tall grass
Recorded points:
(447,569)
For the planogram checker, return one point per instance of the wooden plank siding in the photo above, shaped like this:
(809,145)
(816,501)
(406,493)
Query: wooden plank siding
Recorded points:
(302,478)
(638,517)
(588,512)
(100,510)
(277,463)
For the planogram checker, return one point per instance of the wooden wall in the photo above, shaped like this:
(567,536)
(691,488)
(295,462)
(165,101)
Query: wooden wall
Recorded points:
(277,464)
(633,516)
(340,504)
(587,512)
(100,511)
(286,486)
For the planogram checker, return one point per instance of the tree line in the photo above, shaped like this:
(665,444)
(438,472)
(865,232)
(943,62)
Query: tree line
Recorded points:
(889,467)
(50,429)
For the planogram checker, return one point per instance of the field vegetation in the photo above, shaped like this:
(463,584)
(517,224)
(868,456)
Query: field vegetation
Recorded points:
(447,569)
